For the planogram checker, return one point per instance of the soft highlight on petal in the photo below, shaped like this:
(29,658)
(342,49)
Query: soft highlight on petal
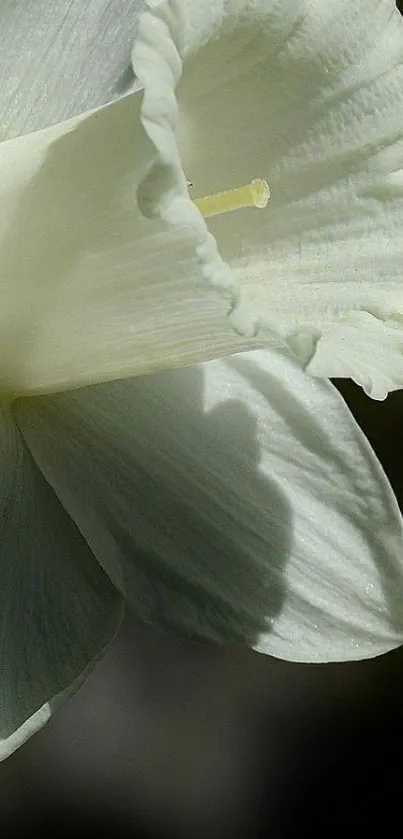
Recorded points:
(58,610)
(234,502)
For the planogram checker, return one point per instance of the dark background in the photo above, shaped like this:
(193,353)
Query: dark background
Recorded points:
(174,739)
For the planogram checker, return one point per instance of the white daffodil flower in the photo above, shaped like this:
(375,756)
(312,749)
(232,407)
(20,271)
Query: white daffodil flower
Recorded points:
(233,499)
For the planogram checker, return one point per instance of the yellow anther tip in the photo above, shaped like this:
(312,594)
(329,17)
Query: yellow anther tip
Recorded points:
(261,193)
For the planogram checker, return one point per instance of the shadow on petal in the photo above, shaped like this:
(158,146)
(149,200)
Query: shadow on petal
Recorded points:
(170,498)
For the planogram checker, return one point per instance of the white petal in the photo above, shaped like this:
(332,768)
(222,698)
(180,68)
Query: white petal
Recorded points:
(91,289)
(58,610)
(40,717)
(236,501)
(65,59)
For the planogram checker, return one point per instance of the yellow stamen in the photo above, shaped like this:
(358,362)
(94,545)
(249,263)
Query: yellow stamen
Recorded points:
(255,194)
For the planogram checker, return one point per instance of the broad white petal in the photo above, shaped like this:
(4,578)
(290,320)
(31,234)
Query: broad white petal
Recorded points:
(91,289)
(236,501)
(58,610)
(59,59)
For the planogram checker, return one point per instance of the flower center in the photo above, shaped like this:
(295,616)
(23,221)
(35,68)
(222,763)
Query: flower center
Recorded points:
(255,194)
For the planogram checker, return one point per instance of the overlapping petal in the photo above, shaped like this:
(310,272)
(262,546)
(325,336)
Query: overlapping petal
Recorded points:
(60,59)
(237,502)
(58,610)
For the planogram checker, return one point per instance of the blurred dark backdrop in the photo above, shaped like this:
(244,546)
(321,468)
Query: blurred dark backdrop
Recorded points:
(177,739)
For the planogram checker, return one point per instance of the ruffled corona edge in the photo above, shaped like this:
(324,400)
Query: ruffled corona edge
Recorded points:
(157,63)
(365,346)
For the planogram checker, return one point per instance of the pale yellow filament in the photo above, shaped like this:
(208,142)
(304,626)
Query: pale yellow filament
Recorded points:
(255,194)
